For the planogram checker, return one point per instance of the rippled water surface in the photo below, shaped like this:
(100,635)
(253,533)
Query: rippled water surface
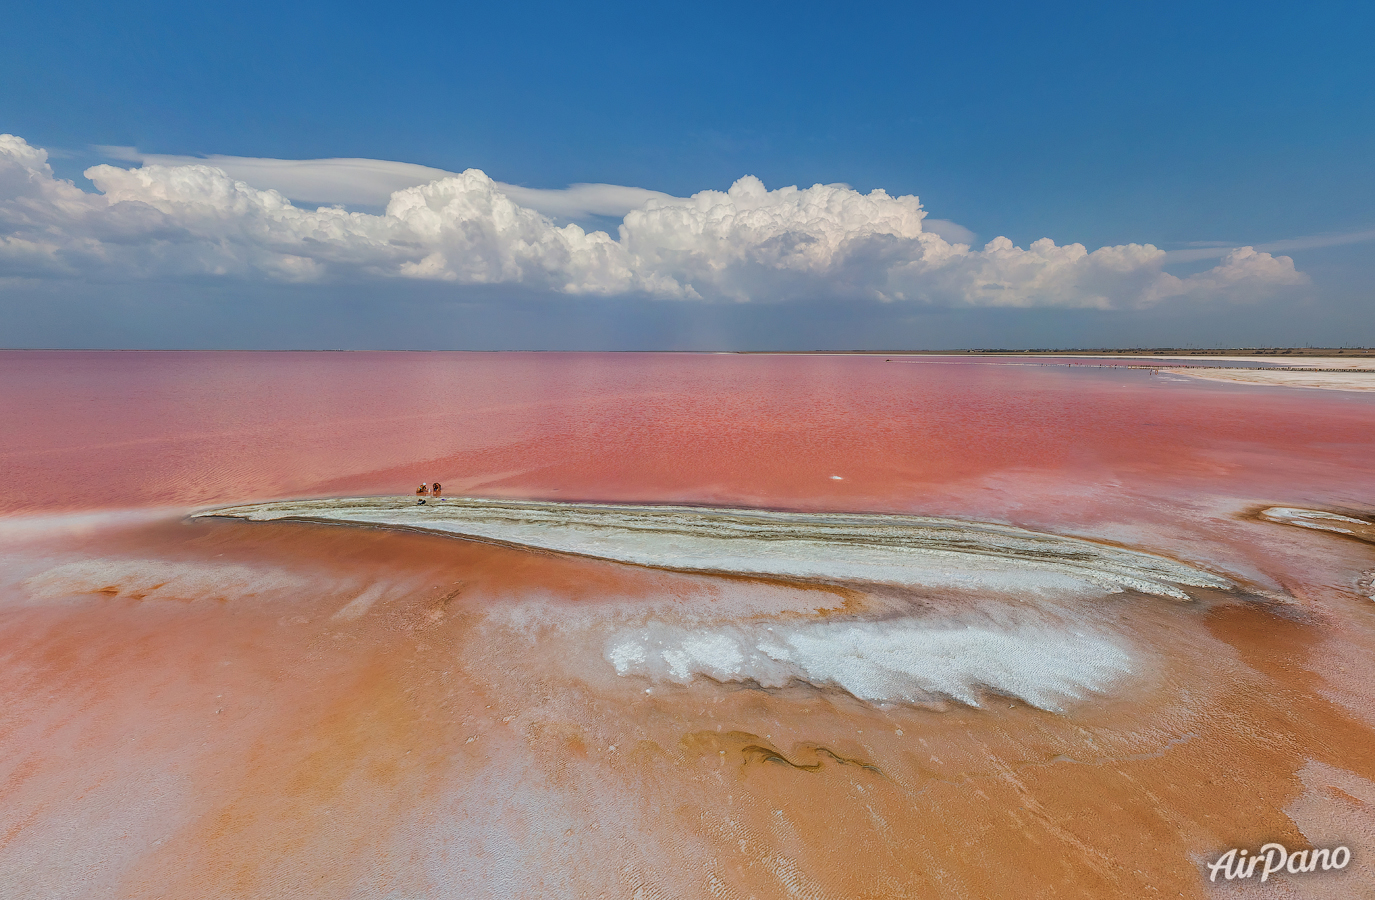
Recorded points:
(1130,626)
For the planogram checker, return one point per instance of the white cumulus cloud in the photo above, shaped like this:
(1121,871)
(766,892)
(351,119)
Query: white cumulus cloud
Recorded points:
(371,182)
(178,218)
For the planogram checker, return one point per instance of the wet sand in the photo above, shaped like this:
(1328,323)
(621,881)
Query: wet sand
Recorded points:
(219,708)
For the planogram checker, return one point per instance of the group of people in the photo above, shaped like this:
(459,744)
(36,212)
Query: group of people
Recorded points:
(428,490)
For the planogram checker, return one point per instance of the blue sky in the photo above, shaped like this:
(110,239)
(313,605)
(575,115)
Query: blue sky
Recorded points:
(1183,126)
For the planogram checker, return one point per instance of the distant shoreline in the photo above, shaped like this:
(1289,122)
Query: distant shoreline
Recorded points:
(1251,352)
(1356,352)
(1223,353)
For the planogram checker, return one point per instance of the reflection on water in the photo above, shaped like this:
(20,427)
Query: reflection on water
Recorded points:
(216,708)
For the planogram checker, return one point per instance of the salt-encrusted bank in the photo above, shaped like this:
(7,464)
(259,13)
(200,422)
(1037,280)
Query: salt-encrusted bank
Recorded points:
(908,551)
(1321,520)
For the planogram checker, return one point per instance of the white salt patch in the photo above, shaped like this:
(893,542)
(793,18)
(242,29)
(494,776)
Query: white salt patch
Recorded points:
(904,660)
(626,656)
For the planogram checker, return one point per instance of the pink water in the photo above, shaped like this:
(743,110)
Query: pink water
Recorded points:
(113,430)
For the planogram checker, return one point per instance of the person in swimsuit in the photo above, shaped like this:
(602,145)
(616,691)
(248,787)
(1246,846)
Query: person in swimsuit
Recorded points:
(437,489)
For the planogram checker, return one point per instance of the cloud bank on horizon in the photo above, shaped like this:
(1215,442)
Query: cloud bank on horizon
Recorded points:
(371,182)
(179,218)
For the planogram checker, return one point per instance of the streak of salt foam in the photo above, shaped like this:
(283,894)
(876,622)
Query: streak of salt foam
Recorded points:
(160,580)
(359,605)
(190,581)
(378,592)
(66,525)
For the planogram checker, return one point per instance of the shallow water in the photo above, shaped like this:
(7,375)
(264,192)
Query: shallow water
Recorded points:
(215,708)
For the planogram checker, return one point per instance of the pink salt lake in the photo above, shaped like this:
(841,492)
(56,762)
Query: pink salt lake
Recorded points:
(207,708)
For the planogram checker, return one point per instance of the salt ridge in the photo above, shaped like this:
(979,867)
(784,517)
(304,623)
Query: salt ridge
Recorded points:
(906,551)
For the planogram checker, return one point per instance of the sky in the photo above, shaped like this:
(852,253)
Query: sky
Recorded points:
(702,176)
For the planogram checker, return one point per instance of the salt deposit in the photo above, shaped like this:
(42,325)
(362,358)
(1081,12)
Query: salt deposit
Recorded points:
(885,662)
(907,551)
(1320,520)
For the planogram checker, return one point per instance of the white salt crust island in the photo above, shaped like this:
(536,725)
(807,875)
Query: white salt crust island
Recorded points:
(908,551)
(949,610)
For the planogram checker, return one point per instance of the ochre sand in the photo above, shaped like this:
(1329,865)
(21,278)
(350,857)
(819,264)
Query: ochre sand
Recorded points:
(216,708)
